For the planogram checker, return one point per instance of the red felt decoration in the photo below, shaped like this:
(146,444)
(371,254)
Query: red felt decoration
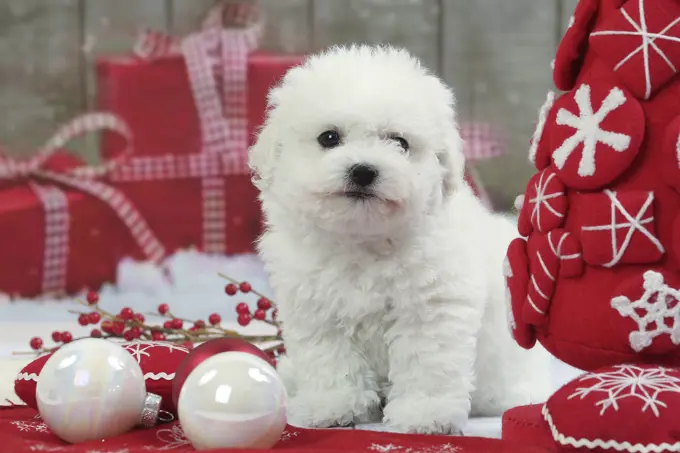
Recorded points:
(569,56)
(209,349)
(619,228)
(671,154)
(525,424)
(545,204)
(158,361)
(597,133)
(641,44)
(632,408)
(539,146)
(22,432)
(517,281)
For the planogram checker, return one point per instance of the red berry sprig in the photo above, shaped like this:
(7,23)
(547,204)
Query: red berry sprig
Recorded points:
(130,325)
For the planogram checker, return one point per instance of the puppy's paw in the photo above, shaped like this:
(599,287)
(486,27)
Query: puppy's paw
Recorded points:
(330,408)
(418,414)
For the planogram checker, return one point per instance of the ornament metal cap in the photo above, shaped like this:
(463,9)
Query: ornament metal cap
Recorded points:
(151,411)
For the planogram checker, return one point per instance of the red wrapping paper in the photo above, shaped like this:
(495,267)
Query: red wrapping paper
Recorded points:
(156,97)
(22,432)
(97,238)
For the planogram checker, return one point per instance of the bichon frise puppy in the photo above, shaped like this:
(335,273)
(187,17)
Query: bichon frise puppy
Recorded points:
(386,268)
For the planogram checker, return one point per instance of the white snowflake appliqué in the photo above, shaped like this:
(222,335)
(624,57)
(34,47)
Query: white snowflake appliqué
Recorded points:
(630,381)
(588,131)
(288,435)
(633,225)
(647,43)
(172,438)
(507,273)
(35,427)
(138,349)
(658,303)
(390,448)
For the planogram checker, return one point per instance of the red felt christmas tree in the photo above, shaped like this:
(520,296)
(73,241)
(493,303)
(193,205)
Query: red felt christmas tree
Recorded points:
(596,276)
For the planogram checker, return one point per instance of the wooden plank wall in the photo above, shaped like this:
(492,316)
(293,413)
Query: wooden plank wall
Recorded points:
(495,53)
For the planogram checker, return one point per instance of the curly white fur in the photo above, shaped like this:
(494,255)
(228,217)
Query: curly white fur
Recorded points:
(391,306)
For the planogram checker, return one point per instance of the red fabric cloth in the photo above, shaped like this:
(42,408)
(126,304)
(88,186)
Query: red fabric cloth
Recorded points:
(22,432)
(97,239)
(618,162)
(525,424)
(155,99)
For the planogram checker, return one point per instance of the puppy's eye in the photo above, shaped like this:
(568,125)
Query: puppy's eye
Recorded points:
(329,139)
(402,142)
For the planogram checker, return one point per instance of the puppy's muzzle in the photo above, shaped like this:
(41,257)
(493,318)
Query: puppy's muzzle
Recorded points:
(360,179)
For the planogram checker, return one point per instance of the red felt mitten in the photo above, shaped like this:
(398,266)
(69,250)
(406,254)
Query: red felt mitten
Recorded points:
(516,269)
(158,361)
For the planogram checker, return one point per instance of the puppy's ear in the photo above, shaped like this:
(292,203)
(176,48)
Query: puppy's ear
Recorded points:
(452,160)
(263,154)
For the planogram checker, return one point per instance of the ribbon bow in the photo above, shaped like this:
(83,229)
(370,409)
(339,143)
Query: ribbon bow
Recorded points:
(83,179)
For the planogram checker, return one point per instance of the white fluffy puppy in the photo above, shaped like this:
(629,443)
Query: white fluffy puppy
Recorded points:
(386,268)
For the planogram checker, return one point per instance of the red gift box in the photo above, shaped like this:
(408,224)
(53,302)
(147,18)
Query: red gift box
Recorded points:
(185,102)
(61,228)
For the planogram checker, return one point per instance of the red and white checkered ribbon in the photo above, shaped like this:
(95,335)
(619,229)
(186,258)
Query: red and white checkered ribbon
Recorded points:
(55,202)
(216,59)
(481,141)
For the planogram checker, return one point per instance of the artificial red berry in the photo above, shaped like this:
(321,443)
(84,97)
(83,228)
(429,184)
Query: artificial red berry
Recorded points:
(177,323)
(94,317)
(167,324)
(66,337)
(194,329)
(214,319)
(245,287)
(200,324)
(244,319)
(264,303)
(107,326)
(126,313)
(56,336)
(260,315)
(139,317)
(230,289)
(36,343)
(129,335)
(243,309)
(163,309)
(96,333)
(92,298)
(83,320)
(117,328)
(157,336)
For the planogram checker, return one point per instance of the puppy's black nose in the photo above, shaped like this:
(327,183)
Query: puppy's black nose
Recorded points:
(363,175)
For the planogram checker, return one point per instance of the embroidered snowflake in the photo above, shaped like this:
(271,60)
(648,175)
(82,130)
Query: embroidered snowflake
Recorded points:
(588,131)
(507,273)
(172,438)
(45,447)
(35,427)
(632,224)
(630,381)
(141,348)
(647,43)
(657,303)
(389,448)
(288,435)
(542,200)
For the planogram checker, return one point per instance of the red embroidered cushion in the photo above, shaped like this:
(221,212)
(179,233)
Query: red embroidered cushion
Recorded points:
(158,361)
(633,408)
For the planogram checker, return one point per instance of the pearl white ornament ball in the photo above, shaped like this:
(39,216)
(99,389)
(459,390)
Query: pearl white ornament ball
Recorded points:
(90,389)
(233,400)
